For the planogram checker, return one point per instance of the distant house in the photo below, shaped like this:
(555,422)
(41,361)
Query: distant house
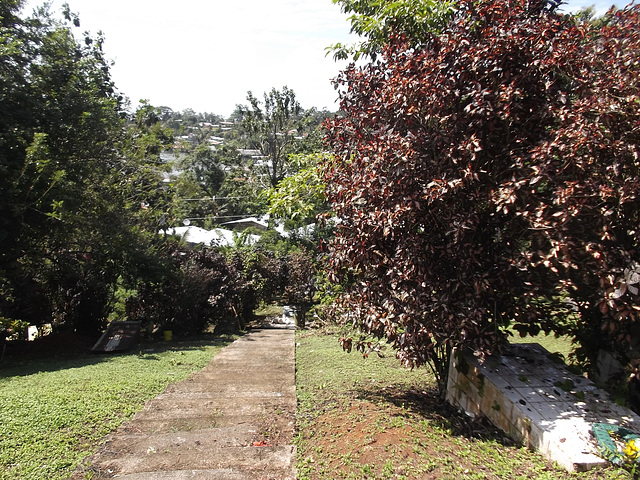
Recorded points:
(217,237)
(244,223)
(248,152)
(262,223)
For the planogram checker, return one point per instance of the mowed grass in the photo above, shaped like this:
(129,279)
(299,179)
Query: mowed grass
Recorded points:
(550,342)
(372,419)
(56,411)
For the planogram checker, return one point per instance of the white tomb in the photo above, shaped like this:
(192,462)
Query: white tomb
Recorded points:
(538,402)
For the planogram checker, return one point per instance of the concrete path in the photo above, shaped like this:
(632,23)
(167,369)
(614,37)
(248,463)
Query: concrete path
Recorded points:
(233,420)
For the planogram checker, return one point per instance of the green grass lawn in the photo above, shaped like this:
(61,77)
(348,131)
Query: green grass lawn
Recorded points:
(358,419)
(372,419)
(552,343)
(56,411)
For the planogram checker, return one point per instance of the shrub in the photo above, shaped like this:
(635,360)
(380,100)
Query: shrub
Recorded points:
(196,292)
(490,177)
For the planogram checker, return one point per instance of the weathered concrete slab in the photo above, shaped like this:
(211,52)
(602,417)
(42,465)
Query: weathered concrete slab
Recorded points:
(217,474)
(240,404)
(139,444)
(214,391)
(242,408)
(234,419)
(251,377)
(243,459)
(119,336)
(538,402)
(284,423)
(247,387)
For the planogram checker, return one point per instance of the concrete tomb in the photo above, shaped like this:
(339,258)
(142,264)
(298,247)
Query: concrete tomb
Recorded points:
(538,402)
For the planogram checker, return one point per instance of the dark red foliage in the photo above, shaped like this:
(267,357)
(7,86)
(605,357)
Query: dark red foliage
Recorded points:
(491,178)
(197,289)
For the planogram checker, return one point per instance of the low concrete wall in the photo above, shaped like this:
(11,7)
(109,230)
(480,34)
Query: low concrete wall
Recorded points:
(536,401)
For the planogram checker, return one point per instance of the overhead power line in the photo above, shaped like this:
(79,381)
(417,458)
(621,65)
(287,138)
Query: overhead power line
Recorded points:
(225,216)
(214,198)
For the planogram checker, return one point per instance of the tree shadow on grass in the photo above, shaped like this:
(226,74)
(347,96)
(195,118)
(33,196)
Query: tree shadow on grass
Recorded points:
(68,351)
(428,405)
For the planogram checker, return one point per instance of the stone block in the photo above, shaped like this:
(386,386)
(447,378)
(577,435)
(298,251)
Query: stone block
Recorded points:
(537,402)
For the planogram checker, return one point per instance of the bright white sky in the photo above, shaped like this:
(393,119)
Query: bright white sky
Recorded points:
(206,54)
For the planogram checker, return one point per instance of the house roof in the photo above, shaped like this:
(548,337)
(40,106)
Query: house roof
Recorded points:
(243,223)
(218,236)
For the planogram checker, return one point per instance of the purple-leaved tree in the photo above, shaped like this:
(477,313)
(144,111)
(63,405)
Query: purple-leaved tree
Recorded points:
(489,178)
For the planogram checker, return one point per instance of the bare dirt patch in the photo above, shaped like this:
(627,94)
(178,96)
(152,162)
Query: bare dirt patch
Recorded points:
(364,439)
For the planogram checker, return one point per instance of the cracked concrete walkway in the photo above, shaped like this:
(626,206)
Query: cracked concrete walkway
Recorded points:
(233,420)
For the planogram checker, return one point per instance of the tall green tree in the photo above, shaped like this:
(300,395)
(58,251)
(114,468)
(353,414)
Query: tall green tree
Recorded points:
(203,163)
(143,185)
(300,197)
(377,21)
(77,188)
(271,126)
(241,194)
(60,115)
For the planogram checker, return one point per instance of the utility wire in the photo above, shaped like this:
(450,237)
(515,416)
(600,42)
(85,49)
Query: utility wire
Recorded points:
(214,198)
(225,216)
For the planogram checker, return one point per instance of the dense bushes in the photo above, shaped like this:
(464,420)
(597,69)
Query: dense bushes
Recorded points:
(83,197)
(193,293)
(202,288)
